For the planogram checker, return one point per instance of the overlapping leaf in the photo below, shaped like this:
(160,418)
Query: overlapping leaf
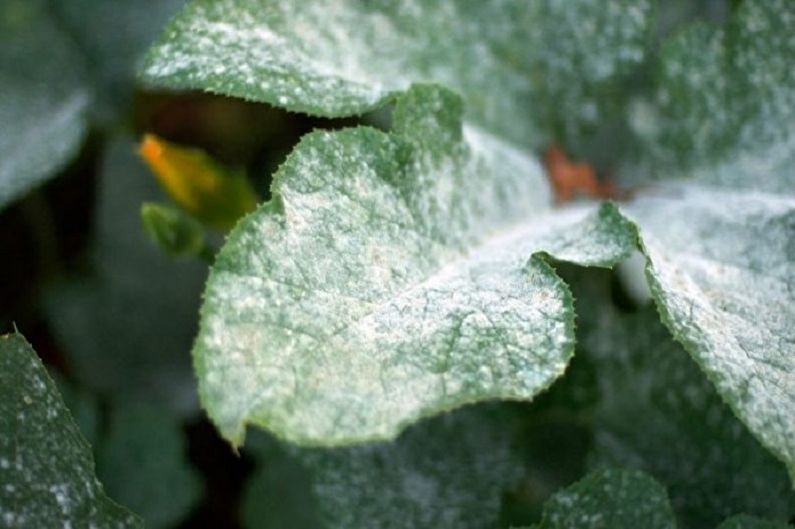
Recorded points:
(723,108)
(393,276)
(337,58)
(46,469)
(651,408)
(721,273)
(449,472)
(719,259)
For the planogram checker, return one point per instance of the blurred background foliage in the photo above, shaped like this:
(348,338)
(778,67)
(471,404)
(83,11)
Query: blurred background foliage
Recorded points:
(114,317)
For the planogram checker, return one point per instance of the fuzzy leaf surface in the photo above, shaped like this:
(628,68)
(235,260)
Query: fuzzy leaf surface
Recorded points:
(721,273)
(723,105)
(652,409)
(46,469)
(337,58)
(609,499)
(392,277)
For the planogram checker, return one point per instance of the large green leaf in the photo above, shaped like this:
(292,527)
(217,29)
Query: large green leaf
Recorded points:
(721,273)
(336,58)
(43,98)
(651,408)
(46,470)
(610,499)
(720,260)
(723,107)
(449,472)
(393,276)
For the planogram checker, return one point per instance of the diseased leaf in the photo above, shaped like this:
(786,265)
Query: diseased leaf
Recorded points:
(46,469)
(393,276)
(142,462)
(652,409)
(449,472)
(723,109)
(126,329)
(335,58)
(43,98)
(610,499)
(721,270)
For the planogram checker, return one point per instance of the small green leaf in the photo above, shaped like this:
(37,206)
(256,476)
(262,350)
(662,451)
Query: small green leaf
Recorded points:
(43,98)
(393,276)
(46,469)
(610,499)
(171,230)
(142,463)
(511,60)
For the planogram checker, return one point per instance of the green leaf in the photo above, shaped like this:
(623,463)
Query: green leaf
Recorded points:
(652,409)
(510,60)
(113,37)
(142,463)
(174,232)
(449,472)
(43,98)
(46,470)
(127,328)
(610,499)
(751,522)
(721,273)
(723,108)
(393,276)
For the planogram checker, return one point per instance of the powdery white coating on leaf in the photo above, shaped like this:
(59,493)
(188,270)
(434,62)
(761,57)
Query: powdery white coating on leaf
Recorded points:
(46,469)
(343,57)
(43,98)
(609,499)
(449,472)
(654,410)
(724,106)
(721,269)
(393,277)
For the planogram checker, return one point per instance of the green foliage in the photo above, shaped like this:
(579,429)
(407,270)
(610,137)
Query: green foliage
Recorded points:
(614,499)
(44,100)
(408,268)
(46,468)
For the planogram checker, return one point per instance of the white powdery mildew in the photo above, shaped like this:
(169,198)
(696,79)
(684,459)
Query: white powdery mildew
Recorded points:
(380,293)
(722,265)
(46,472)
(448,472)
(337,57)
